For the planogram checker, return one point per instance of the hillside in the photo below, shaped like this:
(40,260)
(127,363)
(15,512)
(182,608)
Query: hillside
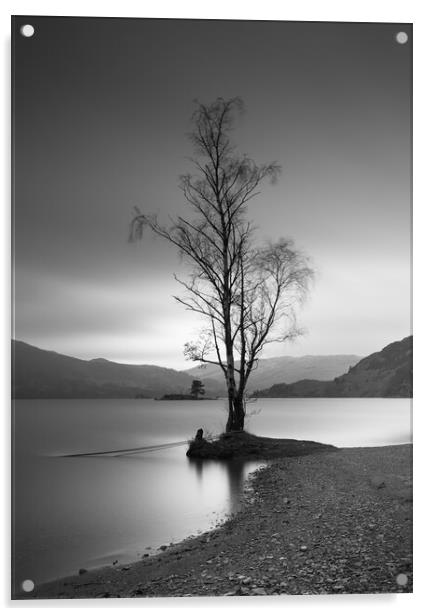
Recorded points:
(286,369)
(385,374)
(45,374)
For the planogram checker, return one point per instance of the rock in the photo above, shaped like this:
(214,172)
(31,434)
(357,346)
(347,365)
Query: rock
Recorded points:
(82,571)
(303,548)
(163,547)
(378,482)
(258,591)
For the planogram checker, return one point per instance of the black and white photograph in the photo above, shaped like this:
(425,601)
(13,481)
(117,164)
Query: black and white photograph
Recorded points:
(212,342)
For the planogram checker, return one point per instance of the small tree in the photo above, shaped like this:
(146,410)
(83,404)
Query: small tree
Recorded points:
(248,296)
(197,389)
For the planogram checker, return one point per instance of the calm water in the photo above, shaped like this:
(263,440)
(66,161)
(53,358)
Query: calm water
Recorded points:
(84,512)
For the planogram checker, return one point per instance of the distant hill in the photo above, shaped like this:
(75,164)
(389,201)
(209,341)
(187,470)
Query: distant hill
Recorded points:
(385,374)
(286,369)
(45,374)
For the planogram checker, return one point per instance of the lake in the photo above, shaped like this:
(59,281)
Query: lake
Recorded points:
(73,512)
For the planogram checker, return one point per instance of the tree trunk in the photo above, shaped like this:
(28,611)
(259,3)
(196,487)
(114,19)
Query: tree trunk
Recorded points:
(230,379)
(235,421)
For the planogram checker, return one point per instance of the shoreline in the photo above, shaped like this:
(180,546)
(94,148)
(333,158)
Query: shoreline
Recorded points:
(337,521)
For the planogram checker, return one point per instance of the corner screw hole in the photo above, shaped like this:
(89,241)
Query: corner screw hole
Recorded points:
(402,579)
(27,30)
(401,38)
(27,585)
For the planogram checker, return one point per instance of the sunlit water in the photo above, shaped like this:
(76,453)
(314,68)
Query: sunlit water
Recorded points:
(88,511)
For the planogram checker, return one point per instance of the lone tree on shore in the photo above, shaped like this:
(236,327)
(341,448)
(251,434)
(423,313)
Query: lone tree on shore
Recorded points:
(197,389)
(247,295)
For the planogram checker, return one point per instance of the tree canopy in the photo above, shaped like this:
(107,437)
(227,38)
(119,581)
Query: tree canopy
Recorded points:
(248,295)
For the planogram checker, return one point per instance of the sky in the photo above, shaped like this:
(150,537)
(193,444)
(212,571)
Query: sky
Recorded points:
(102,108)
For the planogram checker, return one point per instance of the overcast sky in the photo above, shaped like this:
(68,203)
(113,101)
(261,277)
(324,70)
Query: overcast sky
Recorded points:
(102,108)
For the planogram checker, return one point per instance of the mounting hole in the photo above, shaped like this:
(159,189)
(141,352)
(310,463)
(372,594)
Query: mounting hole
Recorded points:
(27,30)
(402,579)
(402,37)
(27,585)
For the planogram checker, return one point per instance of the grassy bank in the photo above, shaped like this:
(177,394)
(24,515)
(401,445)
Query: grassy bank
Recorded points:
(336,521)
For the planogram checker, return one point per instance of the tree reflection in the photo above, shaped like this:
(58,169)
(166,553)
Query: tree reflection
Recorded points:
(198,466)
(235,471)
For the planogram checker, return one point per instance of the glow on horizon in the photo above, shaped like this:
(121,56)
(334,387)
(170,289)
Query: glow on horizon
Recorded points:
(118,321)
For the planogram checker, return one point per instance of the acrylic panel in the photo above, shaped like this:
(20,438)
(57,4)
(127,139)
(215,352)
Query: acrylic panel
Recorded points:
(212,345)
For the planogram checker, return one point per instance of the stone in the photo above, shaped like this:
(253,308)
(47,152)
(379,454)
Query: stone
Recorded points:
(378,482)
(258,591)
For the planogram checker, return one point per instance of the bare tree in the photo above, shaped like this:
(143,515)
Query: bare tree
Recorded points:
(247,295)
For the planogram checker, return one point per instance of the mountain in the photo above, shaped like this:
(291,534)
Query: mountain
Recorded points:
(385,374)
(45,374)
(285,369)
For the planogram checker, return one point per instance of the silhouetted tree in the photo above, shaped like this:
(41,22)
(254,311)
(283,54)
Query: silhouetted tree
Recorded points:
(247,295)
(197,388)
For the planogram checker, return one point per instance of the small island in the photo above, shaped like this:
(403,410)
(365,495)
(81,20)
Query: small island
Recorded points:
(197,392)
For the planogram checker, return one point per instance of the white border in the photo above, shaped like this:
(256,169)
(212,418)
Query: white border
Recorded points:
(415,11)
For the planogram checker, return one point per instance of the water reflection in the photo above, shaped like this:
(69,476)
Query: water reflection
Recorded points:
(198,465)
(236,472)
(235,475)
